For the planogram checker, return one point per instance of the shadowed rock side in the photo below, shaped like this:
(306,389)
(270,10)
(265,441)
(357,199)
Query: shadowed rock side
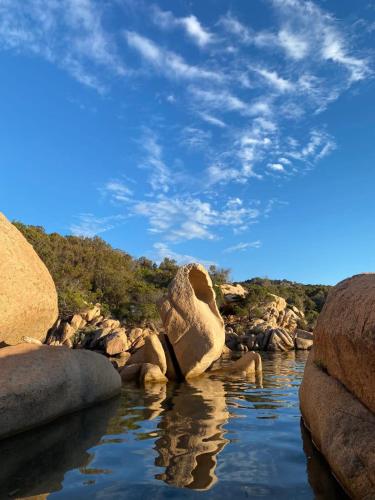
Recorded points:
(193,434)
(37,461)
(41,383)
(192,321)
(345,336)
(28,298)
(322,482)
(342,428)
(337,394)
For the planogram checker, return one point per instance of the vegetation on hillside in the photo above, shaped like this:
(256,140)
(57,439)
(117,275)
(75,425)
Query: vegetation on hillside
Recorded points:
(307,298)
(89,270)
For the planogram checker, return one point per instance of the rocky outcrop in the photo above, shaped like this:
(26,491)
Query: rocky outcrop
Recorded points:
(248,364)
(303,340)
(233,293)
(337,394)
(345,336)
(41,383)
(192,321)
(269,327)
(28,298)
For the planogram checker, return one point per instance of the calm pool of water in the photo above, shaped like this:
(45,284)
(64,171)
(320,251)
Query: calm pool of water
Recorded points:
(213,437)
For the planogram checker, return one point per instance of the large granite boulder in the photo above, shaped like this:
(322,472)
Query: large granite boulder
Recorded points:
(28,298)
(337,394)
(342,428)
(344,336)
(41,383)
(192,321)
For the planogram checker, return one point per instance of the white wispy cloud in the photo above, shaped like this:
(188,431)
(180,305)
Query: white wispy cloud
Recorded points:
(90,225)
(164,251)
(240,247)
(187,218)
(275,80)
(68,33)
(195,137)
(167,62)
(160,176)
(277,167)
(117,190)
(191,25)
(295,44)
(320,32)
(212,120)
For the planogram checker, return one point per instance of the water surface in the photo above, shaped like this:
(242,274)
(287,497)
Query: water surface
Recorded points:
(209,438)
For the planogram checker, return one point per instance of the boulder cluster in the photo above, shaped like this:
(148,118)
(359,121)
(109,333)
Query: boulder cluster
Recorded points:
(337,395)
(91,330)
(39,382)
(273,327)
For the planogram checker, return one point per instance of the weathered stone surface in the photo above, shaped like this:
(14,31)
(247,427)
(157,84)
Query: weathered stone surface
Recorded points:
(152,351)
(66,332)
(344,338)
(115,342)
(303,340)
(232,293)
(192,321)
(342,428)
(135,333)
(280,340)
(77,322)
(110,323)
(28,298)
(91,313)
(41,383)
(120,360)
(151,374)
(249,363)
(130,372)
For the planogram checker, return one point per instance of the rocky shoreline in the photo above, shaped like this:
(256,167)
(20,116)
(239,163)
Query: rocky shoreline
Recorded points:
(51,367)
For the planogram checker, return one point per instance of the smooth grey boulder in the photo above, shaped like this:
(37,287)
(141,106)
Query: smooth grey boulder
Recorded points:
(41,383)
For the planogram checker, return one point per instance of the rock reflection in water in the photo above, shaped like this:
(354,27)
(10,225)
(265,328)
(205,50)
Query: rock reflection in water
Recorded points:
(192,434)
(35,462)
(319,475)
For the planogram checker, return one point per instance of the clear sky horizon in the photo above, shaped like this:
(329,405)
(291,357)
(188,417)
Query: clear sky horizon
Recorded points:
(228,132)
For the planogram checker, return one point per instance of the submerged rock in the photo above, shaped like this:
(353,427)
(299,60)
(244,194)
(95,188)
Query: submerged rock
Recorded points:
(303,340)
(28,298)
(192,321)
(41,383)
(249,363)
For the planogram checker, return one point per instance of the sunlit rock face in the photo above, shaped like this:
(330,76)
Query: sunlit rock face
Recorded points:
(345,336)
(192,320)
(28,298)
(337,394)
(232,293)
(193,434)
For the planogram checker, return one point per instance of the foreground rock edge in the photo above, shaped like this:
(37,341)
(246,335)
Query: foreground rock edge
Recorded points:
(28,297)
(43,383)
(342,429)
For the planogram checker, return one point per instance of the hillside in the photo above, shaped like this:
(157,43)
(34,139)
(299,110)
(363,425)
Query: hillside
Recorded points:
(89,270)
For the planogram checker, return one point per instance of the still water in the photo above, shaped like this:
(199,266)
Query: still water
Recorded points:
(214,437)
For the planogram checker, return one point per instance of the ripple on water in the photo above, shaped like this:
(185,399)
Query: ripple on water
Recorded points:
(215,435)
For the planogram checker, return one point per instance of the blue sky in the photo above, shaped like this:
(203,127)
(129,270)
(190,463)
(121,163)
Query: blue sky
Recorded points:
(234,132)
